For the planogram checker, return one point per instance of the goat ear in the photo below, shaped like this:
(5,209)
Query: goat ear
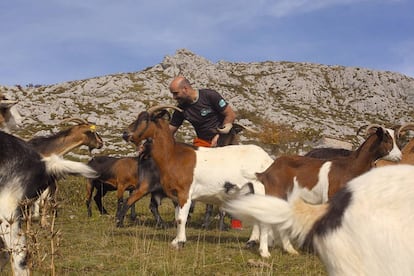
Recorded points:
(380,132)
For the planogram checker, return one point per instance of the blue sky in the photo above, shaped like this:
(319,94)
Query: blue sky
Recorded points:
(52,41)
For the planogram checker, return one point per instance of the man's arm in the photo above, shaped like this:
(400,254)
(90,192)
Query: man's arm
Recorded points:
(229,115)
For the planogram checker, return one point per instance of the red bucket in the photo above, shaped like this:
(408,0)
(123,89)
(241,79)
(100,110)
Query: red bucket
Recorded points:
(236,224)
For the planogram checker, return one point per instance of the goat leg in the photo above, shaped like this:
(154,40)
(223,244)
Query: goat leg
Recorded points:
(207,215)
(222,225)
(133,215)
(136,195)
(155,202)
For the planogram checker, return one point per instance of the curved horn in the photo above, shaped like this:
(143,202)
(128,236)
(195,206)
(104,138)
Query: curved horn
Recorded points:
(245,128)
(406,126)
(7,103)
(160,107)
(80,121)
(368,128)
(371,126)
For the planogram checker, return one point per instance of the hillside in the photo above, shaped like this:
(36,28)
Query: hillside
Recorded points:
(317,99)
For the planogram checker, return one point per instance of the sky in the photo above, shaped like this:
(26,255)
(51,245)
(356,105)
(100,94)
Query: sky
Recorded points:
(53,41)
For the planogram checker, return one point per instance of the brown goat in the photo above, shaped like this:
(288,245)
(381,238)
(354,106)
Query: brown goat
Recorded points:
(84,133)
(321,179)
(122,174)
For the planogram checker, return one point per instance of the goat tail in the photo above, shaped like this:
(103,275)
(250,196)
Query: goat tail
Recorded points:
(265,209)
(59,167)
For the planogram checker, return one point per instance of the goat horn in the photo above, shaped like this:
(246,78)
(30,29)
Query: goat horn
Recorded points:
(245,127)
(371,126)
(406,126)
(160,107)
(7,103)
(368,128)
(76,120)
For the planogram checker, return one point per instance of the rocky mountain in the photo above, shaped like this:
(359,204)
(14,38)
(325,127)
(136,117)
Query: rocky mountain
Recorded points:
(332,101)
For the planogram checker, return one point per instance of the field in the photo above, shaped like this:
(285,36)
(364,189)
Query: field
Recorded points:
(74,244)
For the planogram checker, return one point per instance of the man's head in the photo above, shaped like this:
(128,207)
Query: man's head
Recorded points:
(182,91)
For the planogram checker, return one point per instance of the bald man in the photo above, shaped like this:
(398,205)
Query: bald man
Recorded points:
(205,109)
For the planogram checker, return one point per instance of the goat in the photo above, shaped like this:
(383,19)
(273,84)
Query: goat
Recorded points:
(407,151)
(84,133)
(323,178)
(190,173)
(24,174)
(357,231)
(9,116)
(122,174)
(330,153)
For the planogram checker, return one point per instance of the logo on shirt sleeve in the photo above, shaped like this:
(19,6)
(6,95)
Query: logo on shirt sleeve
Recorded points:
(222,103)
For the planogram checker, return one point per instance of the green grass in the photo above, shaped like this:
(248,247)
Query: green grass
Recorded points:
(94,246)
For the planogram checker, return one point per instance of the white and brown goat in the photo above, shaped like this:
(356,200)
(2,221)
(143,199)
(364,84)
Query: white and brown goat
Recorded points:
(321,179)
(122,174)
(192,173)
(365,229)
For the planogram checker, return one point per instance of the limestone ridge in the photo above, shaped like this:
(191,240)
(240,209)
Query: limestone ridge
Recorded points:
(335,100)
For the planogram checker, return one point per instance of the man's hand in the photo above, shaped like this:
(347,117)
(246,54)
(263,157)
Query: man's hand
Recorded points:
(225,128)
(214,141)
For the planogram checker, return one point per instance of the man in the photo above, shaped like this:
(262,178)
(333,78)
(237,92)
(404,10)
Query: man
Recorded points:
(206,110)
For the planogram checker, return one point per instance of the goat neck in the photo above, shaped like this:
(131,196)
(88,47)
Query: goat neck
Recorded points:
(378,145)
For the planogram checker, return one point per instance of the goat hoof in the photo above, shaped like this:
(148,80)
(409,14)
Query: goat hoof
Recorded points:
(292,252)
(205,226)
(265,255)
(250,244)
(178,244)
(119,224)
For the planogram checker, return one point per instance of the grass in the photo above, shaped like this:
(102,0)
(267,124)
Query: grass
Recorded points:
(94,246)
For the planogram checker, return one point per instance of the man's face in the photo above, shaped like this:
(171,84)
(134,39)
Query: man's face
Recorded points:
(180,95)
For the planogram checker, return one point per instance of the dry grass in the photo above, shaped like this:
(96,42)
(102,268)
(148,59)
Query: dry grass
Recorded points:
(94,246)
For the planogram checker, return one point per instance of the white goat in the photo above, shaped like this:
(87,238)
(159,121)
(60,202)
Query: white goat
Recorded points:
(366,229)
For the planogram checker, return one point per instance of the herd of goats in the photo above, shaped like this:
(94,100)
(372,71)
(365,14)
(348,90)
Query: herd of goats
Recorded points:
(350,207)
